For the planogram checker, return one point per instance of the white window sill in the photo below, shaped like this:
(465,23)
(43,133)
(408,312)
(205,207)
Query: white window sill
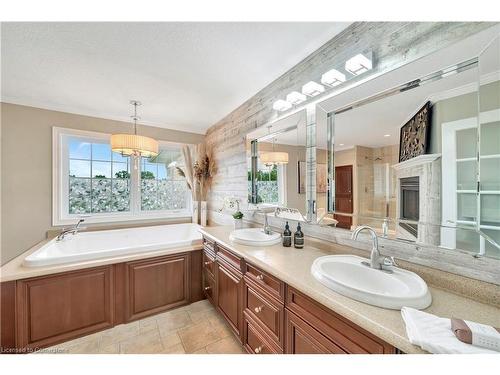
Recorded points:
(110,218)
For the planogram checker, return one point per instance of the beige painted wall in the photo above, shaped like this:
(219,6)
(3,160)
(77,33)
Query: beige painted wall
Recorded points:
(26,166)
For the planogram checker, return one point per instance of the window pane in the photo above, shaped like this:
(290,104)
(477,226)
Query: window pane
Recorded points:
(101,195)
(161,187)
(162,171)
(149,196)
(178,195)
(120,195)
(120,170)
(79,168)
(119,158)
(79,195)
(101,151)
(79,149)
(101,169)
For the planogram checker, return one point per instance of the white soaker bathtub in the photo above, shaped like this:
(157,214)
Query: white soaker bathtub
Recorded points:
(100,244)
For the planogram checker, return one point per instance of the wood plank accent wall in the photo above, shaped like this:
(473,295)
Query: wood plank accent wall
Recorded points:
(393,44)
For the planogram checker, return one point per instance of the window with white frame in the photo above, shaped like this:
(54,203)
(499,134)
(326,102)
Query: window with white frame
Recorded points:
(92,181)
(271,183)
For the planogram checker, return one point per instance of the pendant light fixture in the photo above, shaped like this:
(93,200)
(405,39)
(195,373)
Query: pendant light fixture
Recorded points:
(273,157)
(133,144)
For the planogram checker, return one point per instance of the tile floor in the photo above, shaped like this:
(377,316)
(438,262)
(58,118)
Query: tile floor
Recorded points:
(196,328)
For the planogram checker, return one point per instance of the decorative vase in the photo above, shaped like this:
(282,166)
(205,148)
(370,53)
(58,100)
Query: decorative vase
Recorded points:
(203,214)
(238,223)
(195,213)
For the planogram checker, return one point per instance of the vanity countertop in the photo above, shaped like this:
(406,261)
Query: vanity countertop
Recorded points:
(293,267)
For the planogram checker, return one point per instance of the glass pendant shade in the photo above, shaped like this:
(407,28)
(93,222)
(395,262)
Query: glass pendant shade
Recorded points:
(274,157)
(132,144)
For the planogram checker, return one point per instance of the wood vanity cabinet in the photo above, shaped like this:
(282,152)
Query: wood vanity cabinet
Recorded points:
(272,317)
(229,287)
(308,321)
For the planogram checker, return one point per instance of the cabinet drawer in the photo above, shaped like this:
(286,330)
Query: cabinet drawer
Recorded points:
(209,244)
(343,333)
(301,338)
(209,263)
(209,287)
(255,341)
(229,258)
(266,312)
(269,283)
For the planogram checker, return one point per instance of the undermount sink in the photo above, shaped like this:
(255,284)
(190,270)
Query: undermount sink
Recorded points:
(347,275)
(254,237)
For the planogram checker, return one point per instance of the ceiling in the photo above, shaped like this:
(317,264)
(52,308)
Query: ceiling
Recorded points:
(188,75)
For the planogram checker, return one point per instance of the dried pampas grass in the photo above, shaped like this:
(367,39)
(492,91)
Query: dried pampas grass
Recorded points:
(204,169)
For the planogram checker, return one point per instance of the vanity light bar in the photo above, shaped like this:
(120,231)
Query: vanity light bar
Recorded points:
(281,105)
(312,88)
(332,78)
(358,64)
(295,98)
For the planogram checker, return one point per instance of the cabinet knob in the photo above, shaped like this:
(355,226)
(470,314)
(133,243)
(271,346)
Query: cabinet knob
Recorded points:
(258,350)
(207,288)
(260,277)
(207,263)
(258,309)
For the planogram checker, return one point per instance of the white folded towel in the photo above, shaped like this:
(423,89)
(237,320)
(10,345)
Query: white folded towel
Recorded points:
(434,334)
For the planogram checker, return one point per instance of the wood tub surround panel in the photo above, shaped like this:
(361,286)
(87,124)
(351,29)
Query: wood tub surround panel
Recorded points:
(43,311)
(155,285)
(55,308)
(7,316)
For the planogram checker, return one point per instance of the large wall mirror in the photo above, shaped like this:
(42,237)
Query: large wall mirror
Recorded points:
(276,156)
(418,158)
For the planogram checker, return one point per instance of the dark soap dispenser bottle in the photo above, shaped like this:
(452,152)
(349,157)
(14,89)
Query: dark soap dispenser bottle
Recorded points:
(287,236)
(298,238)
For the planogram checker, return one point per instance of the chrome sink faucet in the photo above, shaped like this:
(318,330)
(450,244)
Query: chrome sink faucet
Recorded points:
(377,261)
(267,228)
(74,230)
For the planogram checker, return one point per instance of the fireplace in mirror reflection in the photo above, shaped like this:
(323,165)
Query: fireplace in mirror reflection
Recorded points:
(409,203)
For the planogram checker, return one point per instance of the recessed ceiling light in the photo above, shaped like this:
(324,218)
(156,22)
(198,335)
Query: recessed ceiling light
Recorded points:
(281,105)
(295,97)
(387,135)
(312,88)
(341,144)
(332,78)
(358,64)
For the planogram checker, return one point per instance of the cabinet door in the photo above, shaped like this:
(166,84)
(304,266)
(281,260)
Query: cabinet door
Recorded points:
(60,307)
(301,338)
(155,285)
(228,299)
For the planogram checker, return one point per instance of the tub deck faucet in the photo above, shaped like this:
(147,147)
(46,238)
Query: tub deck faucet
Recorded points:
(74,230)
(377,261)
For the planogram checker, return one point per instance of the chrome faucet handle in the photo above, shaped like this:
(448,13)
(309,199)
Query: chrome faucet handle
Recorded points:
(389,262)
